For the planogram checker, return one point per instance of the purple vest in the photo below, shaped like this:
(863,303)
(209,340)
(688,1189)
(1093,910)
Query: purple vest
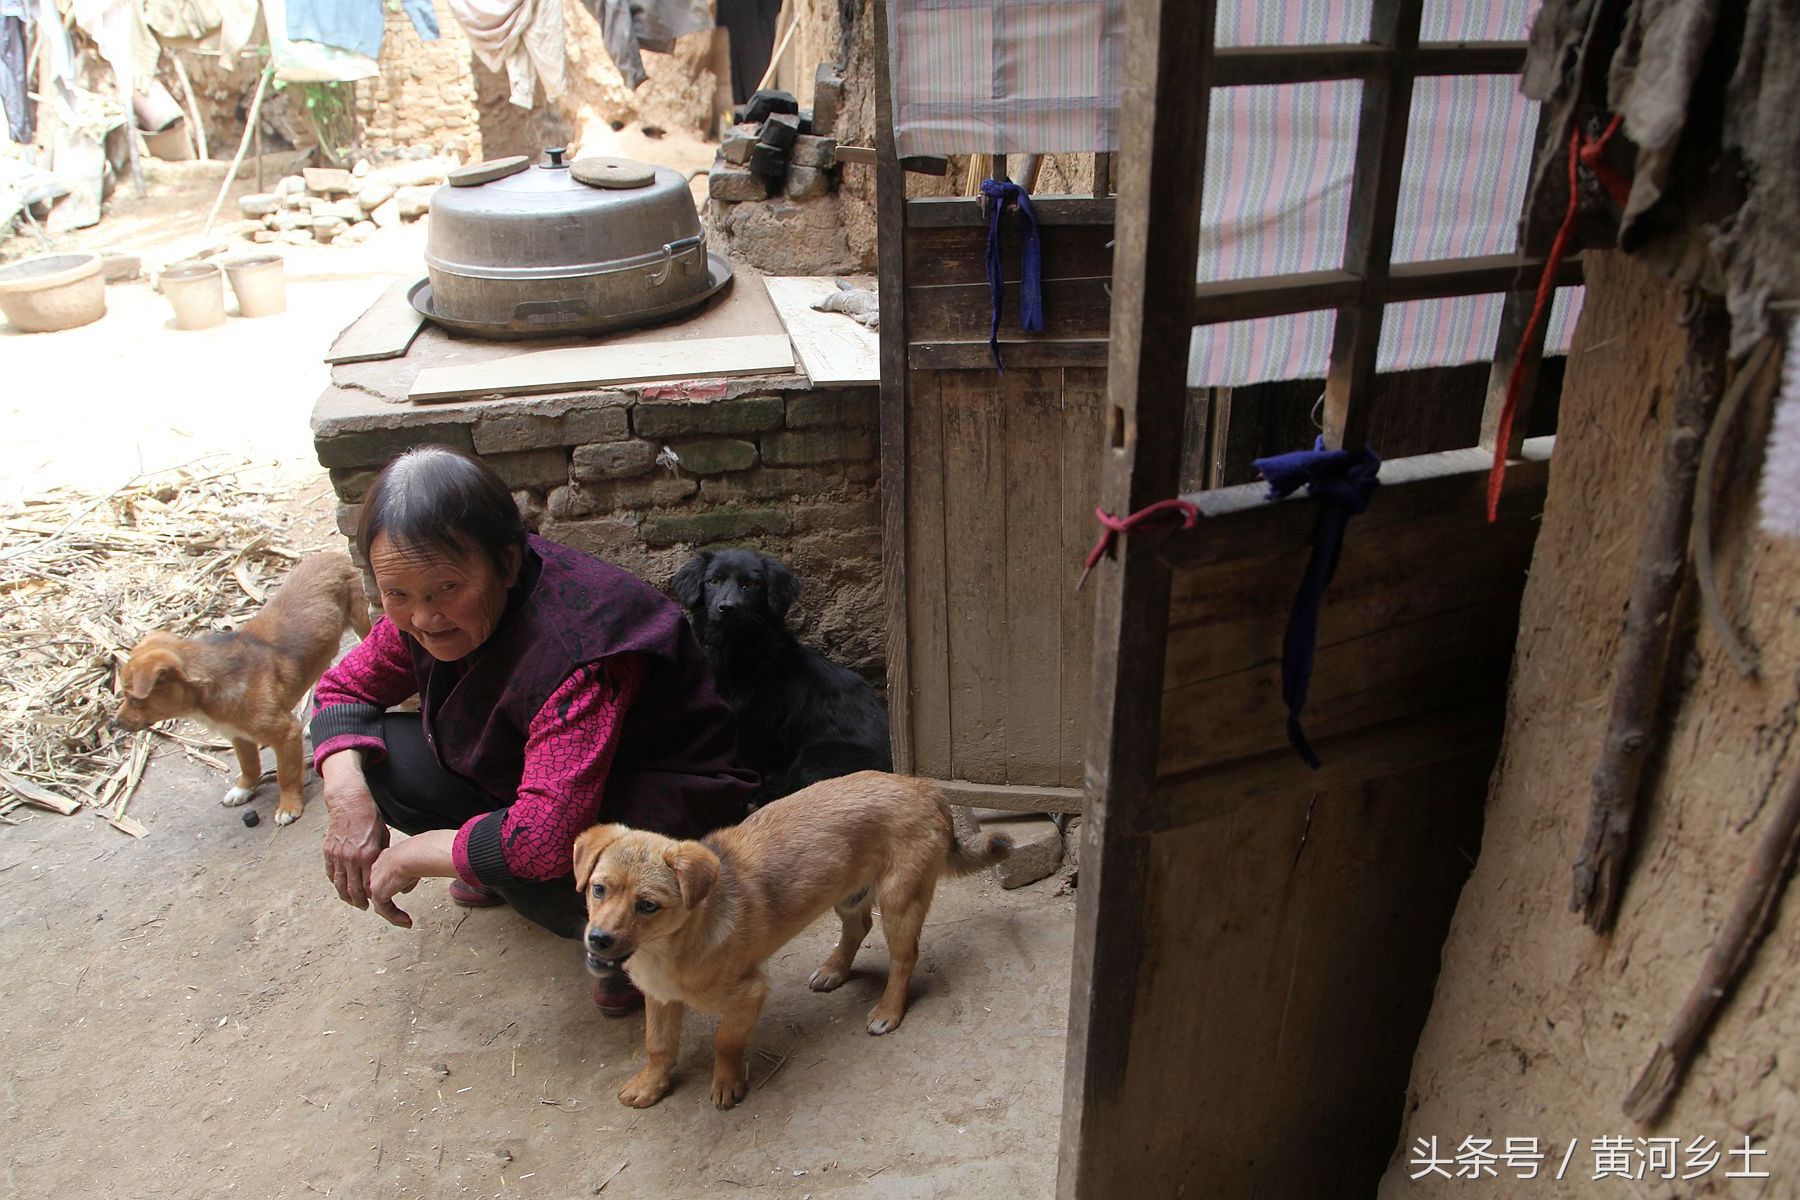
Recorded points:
(676,768)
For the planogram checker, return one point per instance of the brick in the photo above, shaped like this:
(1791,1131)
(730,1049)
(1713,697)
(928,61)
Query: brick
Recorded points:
(810,150)
(523,431)
(348,515)
(616,495)
(738,142)
(804,183)
(752,414)
(852,514)
(707,526)
(809,410)
(322,181)
(1037,846)
(548,467)
(613,460)
(374,447)
(734,185)
(771,483)
(686,389)
(715,456)
(531,508)
(604,537)
(828,98)
(803,447)
(352,485)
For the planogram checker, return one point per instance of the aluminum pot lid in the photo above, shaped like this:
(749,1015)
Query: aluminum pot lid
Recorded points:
(542,221)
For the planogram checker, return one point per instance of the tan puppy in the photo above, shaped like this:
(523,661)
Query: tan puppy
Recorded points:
(694,923)
(246,683)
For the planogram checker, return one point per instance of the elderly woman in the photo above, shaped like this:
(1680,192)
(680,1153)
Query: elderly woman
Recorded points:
(555,690)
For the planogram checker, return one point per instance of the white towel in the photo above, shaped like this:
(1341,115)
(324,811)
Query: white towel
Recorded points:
(1781,462)
(525,37)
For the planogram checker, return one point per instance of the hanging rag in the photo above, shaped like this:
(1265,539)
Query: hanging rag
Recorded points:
(1000,195)
(1342,482)
(358,26)
(751,24)
(302,60)
(522,37)
(15,97)
(631,26)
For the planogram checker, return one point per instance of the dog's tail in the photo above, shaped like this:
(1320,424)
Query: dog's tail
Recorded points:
(966,858)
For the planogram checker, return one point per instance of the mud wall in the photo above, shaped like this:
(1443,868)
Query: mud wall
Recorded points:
(1539,1026)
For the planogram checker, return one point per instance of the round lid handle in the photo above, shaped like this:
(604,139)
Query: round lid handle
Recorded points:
(556,156)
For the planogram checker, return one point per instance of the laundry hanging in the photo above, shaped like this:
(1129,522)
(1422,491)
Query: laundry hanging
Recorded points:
(354,25)
(21,112)
(631,26)
(522,37)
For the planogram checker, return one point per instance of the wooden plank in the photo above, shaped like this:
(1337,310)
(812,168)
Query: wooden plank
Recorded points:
(594,366)
(1447,658)
(975,483)
(944,212)
(1219,301)
(385,330)
(976,356)
(1472,276)
(926,579)
(1369,235)
(915,164)
(890,254)
(1083,438)
(1073,309)
(833,349)
(1163,121)
(1011,798)
(1032,402)
(1241,66)
(958,254)
(1348,759)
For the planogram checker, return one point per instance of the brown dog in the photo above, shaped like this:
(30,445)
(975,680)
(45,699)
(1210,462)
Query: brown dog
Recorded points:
(693,923)
(246,683)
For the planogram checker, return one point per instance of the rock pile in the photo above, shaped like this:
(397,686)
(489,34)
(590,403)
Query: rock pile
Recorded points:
(331,204)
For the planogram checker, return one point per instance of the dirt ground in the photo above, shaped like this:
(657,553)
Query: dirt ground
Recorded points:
(194,1014)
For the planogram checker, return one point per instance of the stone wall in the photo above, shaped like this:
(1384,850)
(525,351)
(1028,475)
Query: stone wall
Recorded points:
(424,97)
(645,476)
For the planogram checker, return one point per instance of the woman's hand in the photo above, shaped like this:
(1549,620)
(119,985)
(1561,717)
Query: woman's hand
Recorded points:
(400,868)
(356,834)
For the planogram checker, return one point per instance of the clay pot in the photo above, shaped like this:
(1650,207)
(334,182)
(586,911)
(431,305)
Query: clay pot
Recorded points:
(52,292)
(196,291)
(258,283)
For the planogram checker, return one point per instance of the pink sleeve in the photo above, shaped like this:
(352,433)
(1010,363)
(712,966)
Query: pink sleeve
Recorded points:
(568,751)
(351,696)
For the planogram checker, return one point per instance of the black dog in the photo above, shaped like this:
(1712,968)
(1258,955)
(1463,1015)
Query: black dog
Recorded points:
(801,717)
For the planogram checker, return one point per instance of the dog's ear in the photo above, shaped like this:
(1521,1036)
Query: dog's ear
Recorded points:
(783,586)
(146,670)
(589,846)
(689,584)
(696,870)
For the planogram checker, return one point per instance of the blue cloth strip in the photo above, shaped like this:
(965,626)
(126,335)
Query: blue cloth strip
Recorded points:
(1002,194)
(1343,483)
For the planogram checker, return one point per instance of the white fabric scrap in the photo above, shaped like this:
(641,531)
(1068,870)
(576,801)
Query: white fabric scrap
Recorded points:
(1781,463)
(523,37)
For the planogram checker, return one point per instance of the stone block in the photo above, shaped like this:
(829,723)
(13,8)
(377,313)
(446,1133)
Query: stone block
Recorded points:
(293,218)
(374,447)
(548,467)
(849,514)
(351,485)
(738,142)
(362,231)
(324,181)
(828,98)
(531,508)
(374,194)
(327,229)
(414,202)
(347,517)
(603,537)
(734,185)
(751,414)
(613,460)
(771,483)
(804,183)
(811,150)
(805,447)
(812,410)
(258,204)
(618,495)
(715,456)
(1037,846)
(298,237)
(263,235)
(522,431)
(708,526)
(386,215)
(346,211)
(290,185)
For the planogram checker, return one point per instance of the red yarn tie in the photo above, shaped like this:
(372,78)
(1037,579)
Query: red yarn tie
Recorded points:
(1582,152)
(1162,512)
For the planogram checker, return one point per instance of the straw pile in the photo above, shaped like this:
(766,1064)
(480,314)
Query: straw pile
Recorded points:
(82,578)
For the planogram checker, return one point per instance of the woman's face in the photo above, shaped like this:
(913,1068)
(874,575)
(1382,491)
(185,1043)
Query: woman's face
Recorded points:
(449,603)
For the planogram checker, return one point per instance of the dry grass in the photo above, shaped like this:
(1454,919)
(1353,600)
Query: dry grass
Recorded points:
(82,578)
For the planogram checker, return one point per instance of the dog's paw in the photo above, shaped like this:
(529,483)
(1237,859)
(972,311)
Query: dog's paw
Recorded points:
(237,796)
(826,979)
(285,815)
(644,1089)
(728,1088)
(881,1022)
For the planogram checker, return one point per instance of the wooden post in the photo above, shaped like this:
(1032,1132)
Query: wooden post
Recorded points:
(262,89)
(195,124)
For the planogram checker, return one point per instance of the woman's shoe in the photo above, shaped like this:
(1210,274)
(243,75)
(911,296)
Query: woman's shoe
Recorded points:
(474,895)
(616,996)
